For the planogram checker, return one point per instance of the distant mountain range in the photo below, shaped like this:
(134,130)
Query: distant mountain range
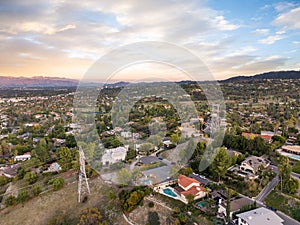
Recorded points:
(268,75)
(7,81)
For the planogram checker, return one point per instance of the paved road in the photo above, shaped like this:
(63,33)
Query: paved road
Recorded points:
(295,175)
(287,220)
(267,189)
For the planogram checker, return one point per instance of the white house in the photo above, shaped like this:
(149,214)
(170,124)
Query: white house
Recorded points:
(114,155)
(260,216)
(126,134)
(23,157)
(253,163)
(54,167)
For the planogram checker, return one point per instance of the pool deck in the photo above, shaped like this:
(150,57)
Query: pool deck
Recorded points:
(290,155)
(161,191)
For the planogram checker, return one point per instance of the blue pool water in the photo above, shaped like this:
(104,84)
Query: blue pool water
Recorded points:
(147,182)
(202,204)
(296,157)
(168,191)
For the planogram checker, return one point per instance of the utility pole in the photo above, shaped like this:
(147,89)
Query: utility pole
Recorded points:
(83,185)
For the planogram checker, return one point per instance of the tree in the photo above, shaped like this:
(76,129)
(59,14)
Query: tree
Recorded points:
(91,216)
(65,156)
(41,150)
(155,140)
(30,177)
(5,149)
(292,186)
(4,180)
(124,176)
(228,204)
(57,183)
(285,170)
(70,141)
(221,163)
(279,138)
(11,200)
(23,196)
(131,154)
(186,171)
(146,148)
(252,185)
(153,218)
(36,190)
(190,198)
(174,138)
(21,172)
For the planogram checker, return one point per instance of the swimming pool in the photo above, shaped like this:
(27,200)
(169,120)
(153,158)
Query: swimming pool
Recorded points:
(169,192)
(296,157)
(201,205)
(147,182)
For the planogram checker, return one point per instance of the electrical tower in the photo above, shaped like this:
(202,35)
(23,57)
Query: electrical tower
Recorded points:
(83,185)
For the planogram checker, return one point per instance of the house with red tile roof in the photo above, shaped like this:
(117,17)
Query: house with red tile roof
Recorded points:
(190,186)
(267,138)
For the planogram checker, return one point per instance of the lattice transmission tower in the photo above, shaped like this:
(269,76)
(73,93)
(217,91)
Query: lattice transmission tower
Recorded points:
(83,185)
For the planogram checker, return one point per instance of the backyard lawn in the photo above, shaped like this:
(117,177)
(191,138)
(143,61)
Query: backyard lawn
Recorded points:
(284,203)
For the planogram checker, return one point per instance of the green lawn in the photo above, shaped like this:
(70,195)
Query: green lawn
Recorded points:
(296,167)
(284,203)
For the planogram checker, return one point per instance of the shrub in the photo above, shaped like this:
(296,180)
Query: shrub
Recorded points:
(151,205)
(36,190)
(58,183)
(23,196)
(4,180)
(11,200)
(31,177)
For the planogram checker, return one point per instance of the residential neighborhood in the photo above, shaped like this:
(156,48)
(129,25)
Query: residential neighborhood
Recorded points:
(150,112)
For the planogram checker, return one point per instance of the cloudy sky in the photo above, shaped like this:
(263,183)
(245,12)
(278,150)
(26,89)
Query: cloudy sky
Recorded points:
(64,38)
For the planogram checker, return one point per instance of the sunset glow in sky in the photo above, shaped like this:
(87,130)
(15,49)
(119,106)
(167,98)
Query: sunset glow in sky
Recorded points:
(64,38)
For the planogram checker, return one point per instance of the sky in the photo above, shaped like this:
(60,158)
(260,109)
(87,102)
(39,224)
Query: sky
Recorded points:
(65,38)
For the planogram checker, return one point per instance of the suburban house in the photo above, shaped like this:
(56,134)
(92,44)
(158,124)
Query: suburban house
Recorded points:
(253,163)
(190,186)
(260,216)
(236,203)
(266,137)
(54,167)
(294,149)
(9,171)
(23,157)
(114,155)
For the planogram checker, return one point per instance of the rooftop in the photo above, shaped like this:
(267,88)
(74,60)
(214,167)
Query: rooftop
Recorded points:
(291,148)
(261,216)
(186,181)
(255,162)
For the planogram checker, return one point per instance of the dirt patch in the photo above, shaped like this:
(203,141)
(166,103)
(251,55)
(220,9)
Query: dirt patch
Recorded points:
(140,214)
(63,202)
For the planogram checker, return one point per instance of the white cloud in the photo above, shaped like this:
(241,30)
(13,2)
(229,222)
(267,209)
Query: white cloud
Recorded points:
(223,24)
(261,31)
(271,39)
(281,32)
(243,51)
(289,20)
(284,6)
